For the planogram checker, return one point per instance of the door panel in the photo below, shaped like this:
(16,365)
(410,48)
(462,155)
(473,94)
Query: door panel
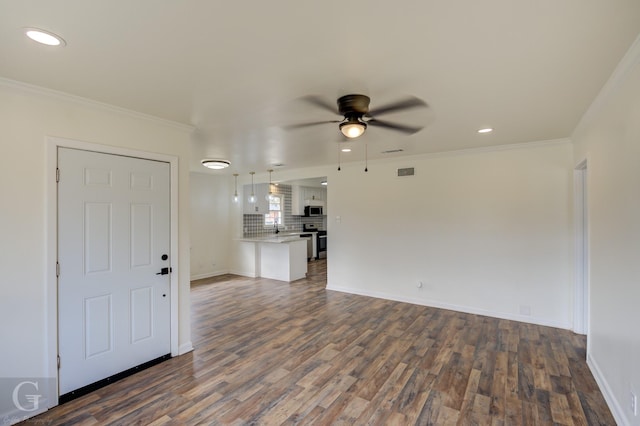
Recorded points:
(141,314)
(113,228)
(98,325)
(97,236)
(141,235)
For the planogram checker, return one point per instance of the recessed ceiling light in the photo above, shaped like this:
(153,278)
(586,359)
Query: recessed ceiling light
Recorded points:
(44,37)
(486,130)
(346,149)
(215,164)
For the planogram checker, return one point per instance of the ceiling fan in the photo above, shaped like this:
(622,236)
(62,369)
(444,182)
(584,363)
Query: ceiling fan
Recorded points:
(357,115)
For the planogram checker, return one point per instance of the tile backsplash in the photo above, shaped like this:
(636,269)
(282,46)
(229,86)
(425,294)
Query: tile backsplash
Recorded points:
(253,224)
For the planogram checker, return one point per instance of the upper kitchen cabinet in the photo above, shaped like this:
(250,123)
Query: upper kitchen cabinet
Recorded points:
(303,196)
(297,200)
(311,194)
(261,206)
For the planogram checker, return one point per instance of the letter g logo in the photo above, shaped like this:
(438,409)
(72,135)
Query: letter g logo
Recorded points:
(33,399)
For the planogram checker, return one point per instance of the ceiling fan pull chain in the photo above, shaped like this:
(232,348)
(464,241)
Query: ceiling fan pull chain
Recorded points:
(366,157)
(338,157)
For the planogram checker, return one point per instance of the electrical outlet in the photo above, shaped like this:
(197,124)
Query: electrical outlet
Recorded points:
(634,404)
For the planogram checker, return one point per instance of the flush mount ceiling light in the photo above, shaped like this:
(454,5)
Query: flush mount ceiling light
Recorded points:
(353,128)
(485,130)
(44,37)
(215,164)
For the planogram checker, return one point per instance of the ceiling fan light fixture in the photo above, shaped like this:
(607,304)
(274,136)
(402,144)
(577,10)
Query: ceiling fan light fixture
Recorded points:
(353,128)
(215,164)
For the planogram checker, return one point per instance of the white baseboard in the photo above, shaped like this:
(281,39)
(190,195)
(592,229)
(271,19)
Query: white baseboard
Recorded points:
(185,348)
(244,273)
(208,275)
(452,307)
(614,405)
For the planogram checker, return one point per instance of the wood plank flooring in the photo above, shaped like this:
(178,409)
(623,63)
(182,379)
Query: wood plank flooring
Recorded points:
(273,353)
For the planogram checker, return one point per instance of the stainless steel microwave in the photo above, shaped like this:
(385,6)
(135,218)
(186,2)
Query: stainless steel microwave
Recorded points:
(312,211)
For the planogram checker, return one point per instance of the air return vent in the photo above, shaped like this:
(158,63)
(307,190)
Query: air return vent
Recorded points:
(407,171)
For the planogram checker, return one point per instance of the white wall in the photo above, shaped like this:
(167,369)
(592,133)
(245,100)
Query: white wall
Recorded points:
(210,225)
(610,141)
(27,117)
(488,232)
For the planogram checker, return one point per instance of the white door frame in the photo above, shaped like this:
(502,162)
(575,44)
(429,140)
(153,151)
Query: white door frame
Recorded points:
(51,241)
(581,250)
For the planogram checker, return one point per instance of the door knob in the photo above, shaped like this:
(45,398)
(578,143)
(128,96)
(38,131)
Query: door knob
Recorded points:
(164,271)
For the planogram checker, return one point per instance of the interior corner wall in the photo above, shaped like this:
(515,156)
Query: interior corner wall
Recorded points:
(210,225)
(610,142)
(27,117)
(486,232)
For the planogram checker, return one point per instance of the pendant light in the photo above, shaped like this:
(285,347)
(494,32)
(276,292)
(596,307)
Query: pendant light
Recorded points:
(235,194)
(269,196)
(252,197)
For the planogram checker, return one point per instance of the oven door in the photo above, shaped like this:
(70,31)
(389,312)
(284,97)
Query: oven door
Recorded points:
(322,246)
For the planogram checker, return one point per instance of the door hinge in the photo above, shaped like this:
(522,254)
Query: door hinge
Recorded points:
(57,174)
(58,362)
(57,269)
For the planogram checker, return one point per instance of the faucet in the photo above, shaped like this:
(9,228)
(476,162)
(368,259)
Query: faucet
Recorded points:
(275,225)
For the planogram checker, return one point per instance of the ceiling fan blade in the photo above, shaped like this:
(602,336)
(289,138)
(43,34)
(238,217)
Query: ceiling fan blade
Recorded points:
(394,126)
(411,102)
(310,124)
(319,102)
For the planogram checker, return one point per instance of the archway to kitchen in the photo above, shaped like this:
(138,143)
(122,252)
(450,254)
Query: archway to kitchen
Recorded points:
(303,211)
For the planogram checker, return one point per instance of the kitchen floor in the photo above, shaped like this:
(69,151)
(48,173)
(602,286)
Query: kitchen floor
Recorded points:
(269,352)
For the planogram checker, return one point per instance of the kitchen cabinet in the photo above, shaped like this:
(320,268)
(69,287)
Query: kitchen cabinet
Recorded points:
(279,258)
(315,194)
(302,196)
(261,206)
(297,200)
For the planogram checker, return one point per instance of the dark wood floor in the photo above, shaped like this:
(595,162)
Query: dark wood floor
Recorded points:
(271,353)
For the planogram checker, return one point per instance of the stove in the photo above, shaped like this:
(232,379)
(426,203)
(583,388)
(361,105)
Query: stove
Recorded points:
(321,239)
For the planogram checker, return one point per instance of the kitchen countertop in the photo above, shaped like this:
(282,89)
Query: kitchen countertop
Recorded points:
(275,238)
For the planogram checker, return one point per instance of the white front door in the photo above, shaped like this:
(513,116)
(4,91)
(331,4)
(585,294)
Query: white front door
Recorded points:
(113,240)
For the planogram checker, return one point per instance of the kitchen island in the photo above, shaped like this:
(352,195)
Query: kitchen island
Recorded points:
(281,258)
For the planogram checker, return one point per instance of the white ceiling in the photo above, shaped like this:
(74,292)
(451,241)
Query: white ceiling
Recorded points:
(236,70)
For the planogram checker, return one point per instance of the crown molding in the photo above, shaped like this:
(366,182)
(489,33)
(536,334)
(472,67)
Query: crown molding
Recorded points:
(624,67)
(78,100)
